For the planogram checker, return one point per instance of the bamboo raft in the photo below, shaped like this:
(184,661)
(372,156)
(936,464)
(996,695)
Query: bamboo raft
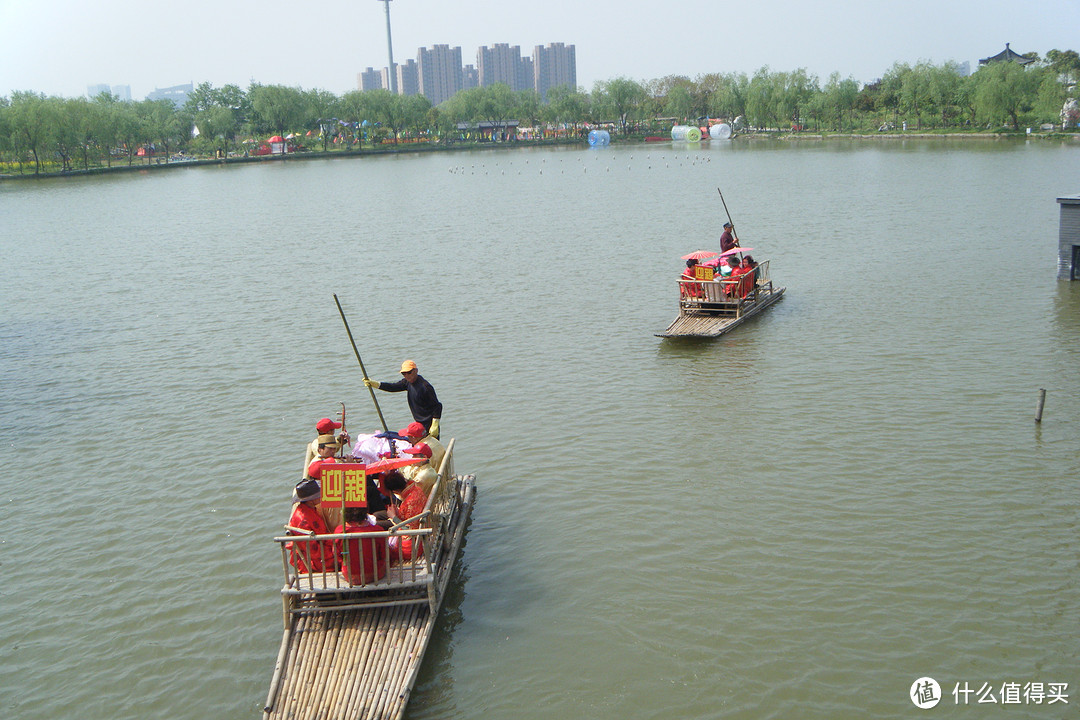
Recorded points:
(353,651)
(713,308)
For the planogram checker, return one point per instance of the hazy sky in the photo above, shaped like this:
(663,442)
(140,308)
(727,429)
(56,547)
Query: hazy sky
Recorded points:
(59,47)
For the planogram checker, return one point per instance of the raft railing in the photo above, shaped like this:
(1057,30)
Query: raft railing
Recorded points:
(720,295)
(407,581)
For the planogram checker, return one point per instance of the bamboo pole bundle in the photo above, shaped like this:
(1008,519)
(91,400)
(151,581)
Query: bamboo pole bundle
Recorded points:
(400,670)
(288,696)
(349,674)
(312,648)
(381,670)
(376,619)
(405,656)
(324,669)
(377,669)
(337,666)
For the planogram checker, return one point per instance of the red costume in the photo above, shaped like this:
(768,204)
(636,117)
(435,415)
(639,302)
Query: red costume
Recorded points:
(695,290)
(367,558)
(745,278)
(306,517)
(314,469)
(413,501)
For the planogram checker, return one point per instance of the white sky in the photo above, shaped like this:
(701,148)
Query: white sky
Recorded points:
(59,47)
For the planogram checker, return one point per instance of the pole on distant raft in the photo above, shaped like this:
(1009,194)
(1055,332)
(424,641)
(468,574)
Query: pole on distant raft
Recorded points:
(362,368)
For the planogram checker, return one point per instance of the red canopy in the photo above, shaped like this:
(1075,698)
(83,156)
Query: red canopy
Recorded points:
(276,138)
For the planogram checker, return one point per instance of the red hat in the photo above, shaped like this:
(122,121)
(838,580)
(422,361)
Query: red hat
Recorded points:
(421,449)
(416,430)
(326,426)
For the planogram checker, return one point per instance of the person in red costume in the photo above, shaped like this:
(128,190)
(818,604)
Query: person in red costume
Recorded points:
(314,555)
(686,289)
(326,447)
(367,557)
(739,272)
(413,502)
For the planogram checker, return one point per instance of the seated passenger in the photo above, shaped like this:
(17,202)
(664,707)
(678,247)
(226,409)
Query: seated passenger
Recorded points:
(414,497)
(739,272)
(754,274)
(422,473)
(318,555)
(687,290)
(326,426)
(326,447)
(416,434)
(366,560)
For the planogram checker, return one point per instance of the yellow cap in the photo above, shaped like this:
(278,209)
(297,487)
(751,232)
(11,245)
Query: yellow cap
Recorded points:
(407,366)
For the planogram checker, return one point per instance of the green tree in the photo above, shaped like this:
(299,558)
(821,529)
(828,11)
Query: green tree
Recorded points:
(622,97)
(1066,63)
(527,107)
(33,125)
(1003,90)
(320,106)
(761,99)
(943,90)
(277,109)
(567,105)
(416,109)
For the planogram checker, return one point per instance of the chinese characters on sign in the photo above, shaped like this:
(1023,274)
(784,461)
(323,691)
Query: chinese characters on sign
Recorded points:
(1011,693)
(925,693)
(344,482)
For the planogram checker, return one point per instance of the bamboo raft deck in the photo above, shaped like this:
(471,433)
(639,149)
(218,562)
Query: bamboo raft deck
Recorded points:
(711,308)
(352,652)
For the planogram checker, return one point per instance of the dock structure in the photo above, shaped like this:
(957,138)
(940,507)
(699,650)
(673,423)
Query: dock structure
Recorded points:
(711,308)
(351,650)
(1069,238)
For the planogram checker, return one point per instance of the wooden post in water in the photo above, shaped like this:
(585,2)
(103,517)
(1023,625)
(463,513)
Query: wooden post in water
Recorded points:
(1042,402)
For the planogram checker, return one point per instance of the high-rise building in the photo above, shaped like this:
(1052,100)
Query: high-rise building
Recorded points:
(439,71)
(501,63)
(122,92)
(470,77)
(92,91)
(370,79)
(554,65)
(408,78)
(525,74)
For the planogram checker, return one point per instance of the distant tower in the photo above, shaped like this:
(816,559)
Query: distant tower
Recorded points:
(390,50)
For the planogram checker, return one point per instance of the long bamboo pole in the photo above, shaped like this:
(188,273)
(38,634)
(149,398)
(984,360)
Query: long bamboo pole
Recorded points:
(362,368)
(733,233)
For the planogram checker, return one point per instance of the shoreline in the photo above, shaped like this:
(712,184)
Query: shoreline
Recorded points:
(520,144)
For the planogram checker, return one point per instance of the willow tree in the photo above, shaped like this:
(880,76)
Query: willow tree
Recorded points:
(622,97)
(1003,90)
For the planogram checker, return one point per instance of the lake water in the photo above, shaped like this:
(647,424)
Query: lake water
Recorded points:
(797,520)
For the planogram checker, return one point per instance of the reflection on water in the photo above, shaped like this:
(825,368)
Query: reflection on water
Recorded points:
(797,519)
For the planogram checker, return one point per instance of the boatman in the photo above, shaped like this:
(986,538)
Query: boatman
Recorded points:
(728,239)
(424,404)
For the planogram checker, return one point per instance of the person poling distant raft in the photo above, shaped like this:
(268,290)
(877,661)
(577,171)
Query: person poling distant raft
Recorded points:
(423,402)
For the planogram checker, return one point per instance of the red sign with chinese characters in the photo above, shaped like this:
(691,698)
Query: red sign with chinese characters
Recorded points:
(344,482)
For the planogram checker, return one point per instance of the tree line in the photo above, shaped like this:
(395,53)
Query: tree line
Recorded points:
(56,133)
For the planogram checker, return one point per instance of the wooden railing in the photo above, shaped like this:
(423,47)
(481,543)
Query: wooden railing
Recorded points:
(725,294)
